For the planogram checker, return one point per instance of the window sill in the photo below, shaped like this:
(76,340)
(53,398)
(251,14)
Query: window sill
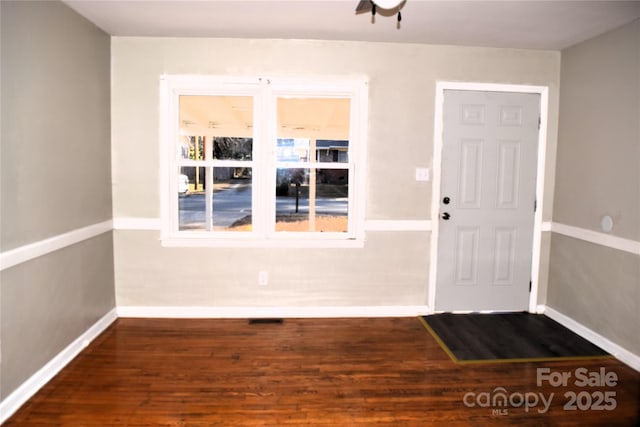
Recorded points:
(191,242)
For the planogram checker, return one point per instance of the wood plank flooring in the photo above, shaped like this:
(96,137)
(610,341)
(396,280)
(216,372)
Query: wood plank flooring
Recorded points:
(312,372)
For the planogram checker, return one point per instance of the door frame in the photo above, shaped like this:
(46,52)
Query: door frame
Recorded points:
(441,86)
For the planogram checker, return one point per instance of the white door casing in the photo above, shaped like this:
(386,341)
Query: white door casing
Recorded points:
(486,254)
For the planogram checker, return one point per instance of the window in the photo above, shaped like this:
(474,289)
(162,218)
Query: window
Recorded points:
(262,161)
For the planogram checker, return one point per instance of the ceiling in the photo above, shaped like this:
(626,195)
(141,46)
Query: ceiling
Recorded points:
(539,24)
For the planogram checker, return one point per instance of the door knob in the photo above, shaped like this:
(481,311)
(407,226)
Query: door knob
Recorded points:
(446,200)
(445,216)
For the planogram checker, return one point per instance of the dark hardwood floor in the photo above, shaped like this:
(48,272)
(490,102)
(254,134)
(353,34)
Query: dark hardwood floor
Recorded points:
(315,372)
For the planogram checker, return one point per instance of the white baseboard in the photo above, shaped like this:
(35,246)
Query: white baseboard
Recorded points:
(621,353)
(271,312)
(27,389)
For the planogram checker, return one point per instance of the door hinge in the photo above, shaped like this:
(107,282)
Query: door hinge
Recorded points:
(530,286)
(539,122)
(535,205)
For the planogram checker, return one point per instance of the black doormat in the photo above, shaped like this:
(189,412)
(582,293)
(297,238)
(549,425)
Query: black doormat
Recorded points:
(507,337)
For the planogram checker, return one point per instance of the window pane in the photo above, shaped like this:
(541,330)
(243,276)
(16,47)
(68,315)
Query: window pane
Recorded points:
(196,176)
(299,149)
(312,200)
(292,150)
(321,118)
(229,199)
(232,189)
(191,147)
(232,148)
(331,151)
(191,199)
(226,120)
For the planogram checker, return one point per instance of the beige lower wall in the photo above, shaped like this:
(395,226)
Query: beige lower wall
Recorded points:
(598,287)
(391,270)
(48,302)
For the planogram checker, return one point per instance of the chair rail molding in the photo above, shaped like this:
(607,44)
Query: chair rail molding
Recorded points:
(34,250)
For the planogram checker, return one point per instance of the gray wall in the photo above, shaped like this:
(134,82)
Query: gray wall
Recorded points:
(393,267)
(55,179)
(598,173)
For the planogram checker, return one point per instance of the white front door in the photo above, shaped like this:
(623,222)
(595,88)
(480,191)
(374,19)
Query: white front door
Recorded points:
(487,203)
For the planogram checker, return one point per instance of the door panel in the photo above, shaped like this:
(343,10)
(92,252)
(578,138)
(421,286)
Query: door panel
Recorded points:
(467,256)
(489,160)
(505,253)
(470,173)
(508,173)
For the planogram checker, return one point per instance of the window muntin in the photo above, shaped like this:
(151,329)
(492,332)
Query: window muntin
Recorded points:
(251,150)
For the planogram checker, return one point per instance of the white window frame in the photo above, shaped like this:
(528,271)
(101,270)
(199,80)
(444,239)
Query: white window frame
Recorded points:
(265,91)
